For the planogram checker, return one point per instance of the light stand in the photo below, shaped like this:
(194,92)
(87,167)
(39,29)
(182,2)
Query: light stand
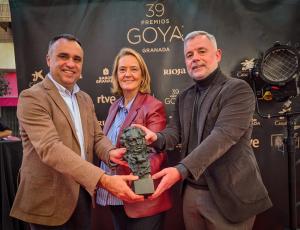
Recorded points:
(280,68)
(277,75)
(290,149)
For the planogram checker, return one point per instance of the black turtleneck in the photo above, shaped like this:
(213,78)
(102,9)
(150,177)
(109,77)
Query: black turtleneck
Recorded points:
(204,83)
(201,87)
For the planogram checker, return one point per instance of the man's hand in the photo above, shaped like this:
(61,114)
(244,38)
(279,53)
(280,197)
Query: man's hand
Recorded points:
(150,136)
(117,185)
(169,177)
(116,156)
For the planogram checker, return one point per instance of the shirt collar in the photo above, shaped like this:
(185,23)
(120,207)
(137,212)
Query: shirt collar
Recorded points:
(122,106)
(62,89)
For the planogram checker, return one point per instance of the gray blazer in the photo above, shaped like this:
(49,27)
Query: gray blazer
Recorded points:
(224,154)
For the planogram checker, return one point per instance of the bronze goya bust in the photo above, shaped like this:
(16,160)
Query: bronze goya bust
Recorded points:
(137,156)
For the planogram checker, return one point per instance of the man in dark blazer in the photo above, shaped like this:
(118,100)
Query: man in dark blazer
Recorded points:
(223,188)
(60,133)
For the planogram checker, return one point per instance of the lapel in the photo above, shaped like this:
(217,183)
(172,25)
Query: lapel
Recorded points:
(187,112)
(135,107)
(111,115)
(207,100)
(59,101)
(84,119)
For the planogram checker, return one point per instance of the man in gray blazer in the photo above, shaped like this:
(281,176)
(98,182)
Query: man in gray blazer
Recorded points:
(60,133)
(223,188)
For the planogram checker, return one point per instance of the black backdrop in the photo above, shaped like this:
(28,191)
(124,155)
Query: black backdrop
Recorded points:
(243,29)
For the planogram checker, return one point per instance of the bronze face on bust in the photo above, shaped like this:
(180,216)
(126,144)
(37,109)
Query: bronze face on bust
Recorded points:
(137,156)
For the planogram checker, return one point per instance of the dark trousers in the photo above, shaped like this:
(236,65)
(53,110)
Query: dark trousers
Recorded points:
(122,222)
(80,219)
(201,213)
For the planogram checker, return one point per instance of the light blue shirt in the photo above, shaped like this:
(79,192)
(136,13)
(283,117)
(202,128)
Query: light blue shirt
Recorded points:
(118,121)
(71,102)
(103,196)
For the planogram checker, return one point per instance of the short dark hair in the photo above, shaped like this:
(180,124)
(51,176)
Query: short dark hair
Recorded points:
(69,37)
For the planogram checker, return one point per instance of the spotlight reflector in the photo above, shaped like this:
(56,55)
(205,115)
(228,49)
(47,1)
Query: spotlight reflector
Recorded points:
(280,64)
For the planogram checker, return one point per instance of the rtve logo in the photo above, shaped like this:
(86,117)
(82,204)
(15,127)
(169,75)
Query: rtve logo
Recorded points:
(105,99)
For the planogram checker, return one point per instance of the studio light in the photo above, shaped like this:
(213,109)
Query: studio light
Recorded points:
(280,64)
(274,76)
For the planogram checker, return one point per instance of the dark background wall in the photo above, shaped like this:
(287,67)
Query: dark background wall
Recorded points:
(244,30)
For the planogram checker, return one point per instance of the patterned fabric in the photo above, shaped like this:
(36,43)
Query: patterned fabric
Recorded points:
(119,119)
(103,196)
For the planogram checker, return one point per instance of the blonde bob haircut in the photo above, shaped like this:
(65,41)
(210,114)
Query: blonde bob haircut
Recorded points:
(145,85)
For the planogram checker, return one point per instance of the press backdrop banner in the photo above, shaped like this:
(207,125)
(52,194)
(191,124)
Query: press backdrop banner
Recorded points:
(243,28)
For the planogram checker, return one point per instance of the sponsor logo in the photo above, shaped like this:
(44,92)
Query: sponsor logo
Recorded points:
(105,99)
(255,122)
(281,121)
(174,72)
(104,78)
(37,76)
(254,142)
(172,97)
(277,142)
